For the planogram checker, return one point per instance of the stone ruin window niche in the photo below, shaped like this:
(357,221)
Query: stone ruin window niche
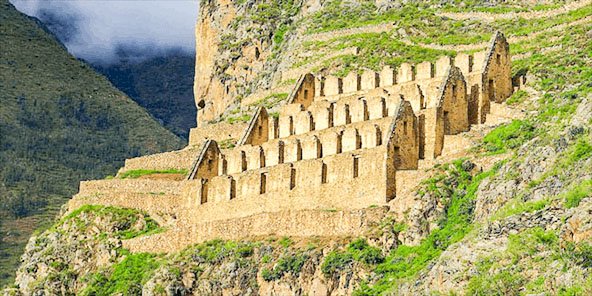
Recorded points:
(356,171)
(263,184)
(324,173)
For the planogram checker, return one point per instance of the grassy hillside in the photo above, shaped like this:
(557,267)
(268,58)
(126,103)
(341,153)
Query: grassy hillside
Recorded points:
(60,122)
(162,84)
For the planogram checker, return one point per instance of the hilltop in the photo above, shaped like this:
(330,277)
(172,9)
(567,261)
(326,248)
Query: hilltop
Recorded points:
(497,203)
(60,122)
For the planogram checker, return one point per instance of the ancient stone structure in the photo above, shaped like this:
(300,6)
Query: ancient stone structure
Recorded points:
(336,145)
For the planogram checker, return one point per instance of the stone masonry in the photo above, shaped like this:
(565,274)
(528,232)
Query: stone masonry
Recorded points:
(332,152)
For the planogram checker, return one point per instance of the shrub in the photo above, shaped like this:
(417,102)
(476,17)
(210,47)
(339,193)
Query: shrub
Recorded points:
(583,255)
(335,262)
(504,282)
(291,264)
(576,194)
(361,251)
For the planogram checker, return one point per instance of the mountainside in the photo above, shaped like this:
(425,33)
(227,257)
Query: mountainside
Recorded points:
(60,122)
(163,84)
(511,214)
(160,80)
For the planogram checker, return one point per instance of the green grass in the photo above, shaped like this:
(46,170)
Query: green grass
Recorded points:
(271,100)
(477,6)
(532,251)
(227,144)
(517,97)
(126,277)
(376,50)
(568,159)
(517,206)
(509,136)
(335,15)
(134,174)
(124,218)
(574,196)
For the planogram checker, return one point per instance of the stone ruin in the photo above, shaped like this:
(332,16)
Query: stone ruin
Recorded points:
(333,151)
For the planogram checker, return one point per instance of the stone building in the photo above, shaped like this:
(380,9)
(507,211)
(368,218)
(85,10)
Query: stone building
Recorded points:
(333,151)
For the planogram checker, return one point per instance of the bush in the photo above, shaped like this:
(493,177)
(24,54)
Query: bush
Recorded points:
(291,264)
(504,282)
(361,251)
(576,194)
(336,261)
(583,255)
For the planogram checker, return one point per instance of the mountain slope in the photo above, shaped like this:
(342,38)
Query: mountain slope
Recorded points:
(160,80)
(163,84)
(60,122)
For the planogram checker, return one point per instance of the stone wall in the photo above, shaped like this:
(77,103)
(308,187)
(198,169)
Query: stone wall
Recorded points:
(315,144)
(180,160)
(259,129)
(217,132)
(300,223)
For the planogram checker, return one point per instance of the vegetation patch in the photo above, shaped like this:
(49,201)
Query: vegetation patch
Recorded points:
(358,250)
(216,251)
(575,195)
(227,144)
(509,136)
(336,262)
(126,221)
(126,277)
(530,252)
(134,174)
(287,264)
(406,261)
(517,206)
(376,50)
(271,100)
(517,97)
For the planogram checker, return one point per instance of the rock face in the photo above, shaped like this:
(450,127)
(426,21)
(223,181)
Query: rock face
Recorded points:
(235,41)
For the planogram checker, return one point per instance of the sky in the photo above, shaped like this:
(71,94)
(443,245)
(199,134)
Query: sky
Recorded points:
(96,30)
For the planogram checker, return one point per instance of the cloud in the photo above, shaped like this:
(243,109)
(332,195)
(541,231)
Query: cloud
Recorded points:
(99,31)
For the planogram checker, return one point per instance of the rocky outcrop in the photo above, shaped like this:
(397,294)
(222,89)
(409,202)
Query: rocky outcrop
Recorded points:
(237,47)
